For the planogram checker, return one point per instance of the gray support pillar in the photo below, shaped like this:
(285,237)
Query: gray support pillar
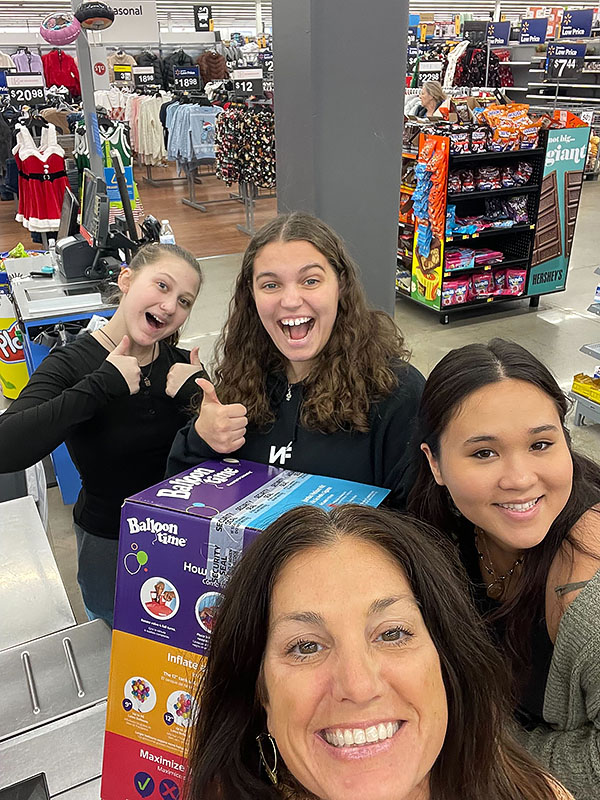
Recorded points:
(339,75)
(86,81)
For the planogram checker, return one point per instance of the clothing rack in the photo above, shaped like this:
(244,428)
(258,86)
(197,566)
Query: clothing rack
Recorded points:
(192,179)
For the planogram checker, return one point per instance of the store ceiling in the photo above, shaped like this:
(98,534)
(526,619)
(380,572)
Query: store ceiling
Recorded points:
(225,14)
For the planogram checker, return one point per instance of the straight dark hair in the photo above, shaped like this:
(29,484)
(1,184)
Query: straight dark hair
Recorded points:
(478,758)
(460,373)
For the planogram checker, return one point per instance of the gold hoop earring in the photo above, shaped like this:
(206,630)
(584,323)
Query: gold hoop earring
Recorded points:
(271,771)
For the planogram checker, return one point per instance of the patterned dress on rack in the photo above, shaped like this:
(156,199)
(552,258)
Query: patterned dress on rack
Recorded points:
(116,138)
(42,179)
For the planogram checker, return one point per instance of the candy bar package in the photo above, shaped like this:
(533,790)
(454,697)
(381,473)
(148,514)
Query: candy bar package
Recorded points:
(479,139)
(523,173)
(486,256)
(508,177)
(500,281)
(482,285)
(468,180)
(460,139)
(488,178)
(455,292)
(450,219)
(454,181)
(515,281)
(494,209)
(516,209)
(459,258)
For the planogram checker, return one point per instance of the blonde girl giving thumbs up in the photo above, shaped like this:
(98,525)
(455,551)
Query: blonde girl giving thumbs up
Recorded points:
(117,398)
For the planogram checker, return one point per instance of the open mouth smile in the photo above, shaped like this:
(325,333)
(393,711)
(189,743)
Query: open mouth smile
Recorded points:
(358,737)
(520,508)
(296,328)
(154,321)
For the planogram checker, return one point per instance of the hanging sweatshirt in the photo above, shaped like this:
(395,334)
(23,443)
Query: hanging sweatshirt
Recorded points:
(120,58)
(28,62)
(381,457)
(60,69)
(6,61)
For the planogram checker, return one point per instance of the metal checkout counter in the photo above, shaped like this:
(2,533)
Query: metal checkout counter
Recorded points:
(54,672)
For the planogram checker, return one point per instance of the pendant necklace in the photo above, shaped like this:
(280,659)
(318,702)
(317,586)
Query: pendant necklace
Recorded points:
(145,378)
(288,394)
(495,589)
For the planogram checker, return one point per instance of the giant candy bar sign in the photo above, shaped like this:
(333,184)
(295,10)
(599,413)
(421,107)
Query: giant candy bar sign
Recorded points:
(559,202)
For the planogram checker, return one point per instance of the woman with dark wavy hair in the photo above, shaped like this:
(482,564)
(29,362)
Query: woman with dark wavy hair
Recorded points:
(308,377)
(499,476)
(347,663)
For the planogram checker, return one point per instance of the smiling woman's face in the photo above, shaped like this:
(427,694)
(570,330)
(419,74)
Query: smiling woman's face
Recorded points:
(355,697)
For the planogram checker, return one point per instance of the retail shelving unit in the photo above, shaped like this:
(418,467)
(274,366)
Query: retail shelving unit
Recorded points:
(585,407)
(516,242)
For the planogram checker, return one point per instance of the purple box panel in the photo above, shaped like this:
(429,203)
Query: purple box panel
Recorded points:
(179,540)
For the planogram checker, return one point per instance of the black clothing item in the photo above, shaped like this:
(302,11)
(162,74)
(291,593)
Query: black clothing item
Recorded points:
(119,442)
(149,59)
(177,59)
(531,684)
(381,457)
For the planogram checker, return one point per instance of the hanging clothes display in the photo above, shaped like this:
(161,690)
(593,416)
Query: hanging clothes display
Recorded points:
(25,61)
(192,131)
(111,137)
(149,59)
(6,61)
(114,100)
(42,179)
(245,146)
(213,67)
(122,59)
(177,59)
(60,69)
(471,69)
(146,129)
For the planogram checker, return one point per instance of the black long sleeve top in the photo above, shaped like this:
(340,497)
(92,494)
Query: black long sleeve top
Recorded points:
(119,442)
(381,457)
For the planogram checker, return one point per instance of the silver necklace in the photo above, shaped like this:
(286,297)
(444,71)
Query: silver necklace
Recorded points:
(288,394)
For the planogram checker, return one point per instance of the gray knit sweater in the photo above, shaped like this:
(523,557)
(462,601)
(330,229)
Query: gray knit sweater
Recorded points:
(569,745)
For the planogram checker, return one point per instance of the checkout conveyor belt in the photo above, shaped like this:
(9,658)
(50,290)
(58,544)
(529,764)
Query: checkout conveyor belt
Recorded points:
(54,672)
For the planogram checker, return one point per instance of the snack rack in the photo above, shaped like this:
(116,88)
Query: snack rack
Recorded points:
(518,244)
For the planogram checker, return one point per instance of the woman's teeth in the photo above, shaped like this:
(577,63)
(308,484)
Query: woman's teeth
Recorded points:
(154,320)
(298,321)
(349,737)
(519,506)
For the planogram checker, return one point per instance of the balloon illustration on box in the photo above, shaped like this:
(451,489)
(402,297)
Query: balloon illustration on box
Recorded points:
(140,690)
(141,693)
(181,705)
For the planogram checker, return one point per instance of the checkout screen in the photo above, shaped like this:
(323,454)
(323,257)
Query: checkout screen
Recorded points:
(31,789)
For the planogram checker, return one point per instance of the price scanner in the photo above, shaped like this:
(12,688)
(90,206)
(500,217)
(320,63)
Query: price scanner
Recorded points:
(95,249)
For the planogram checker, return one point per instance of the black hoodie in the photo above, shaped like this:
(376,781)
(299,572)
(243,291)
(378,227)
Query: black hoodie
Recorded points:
(381,457)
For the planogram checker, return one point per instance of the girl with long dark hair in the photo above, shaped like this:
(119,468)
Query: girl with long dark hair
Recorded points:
(308,377)
(498,475)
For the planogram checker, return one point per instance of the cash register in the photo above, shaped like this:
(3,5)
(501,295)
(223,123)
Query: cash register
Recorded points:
(94,249)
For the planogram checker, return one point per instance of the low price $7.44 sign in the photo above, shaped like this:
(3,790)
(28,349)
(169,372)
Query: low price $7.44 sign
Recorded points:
(564,60)
(26,89)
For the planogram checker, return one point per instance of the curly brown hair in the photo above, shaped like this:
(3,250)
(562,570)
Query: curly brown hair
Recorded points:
(356,366)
